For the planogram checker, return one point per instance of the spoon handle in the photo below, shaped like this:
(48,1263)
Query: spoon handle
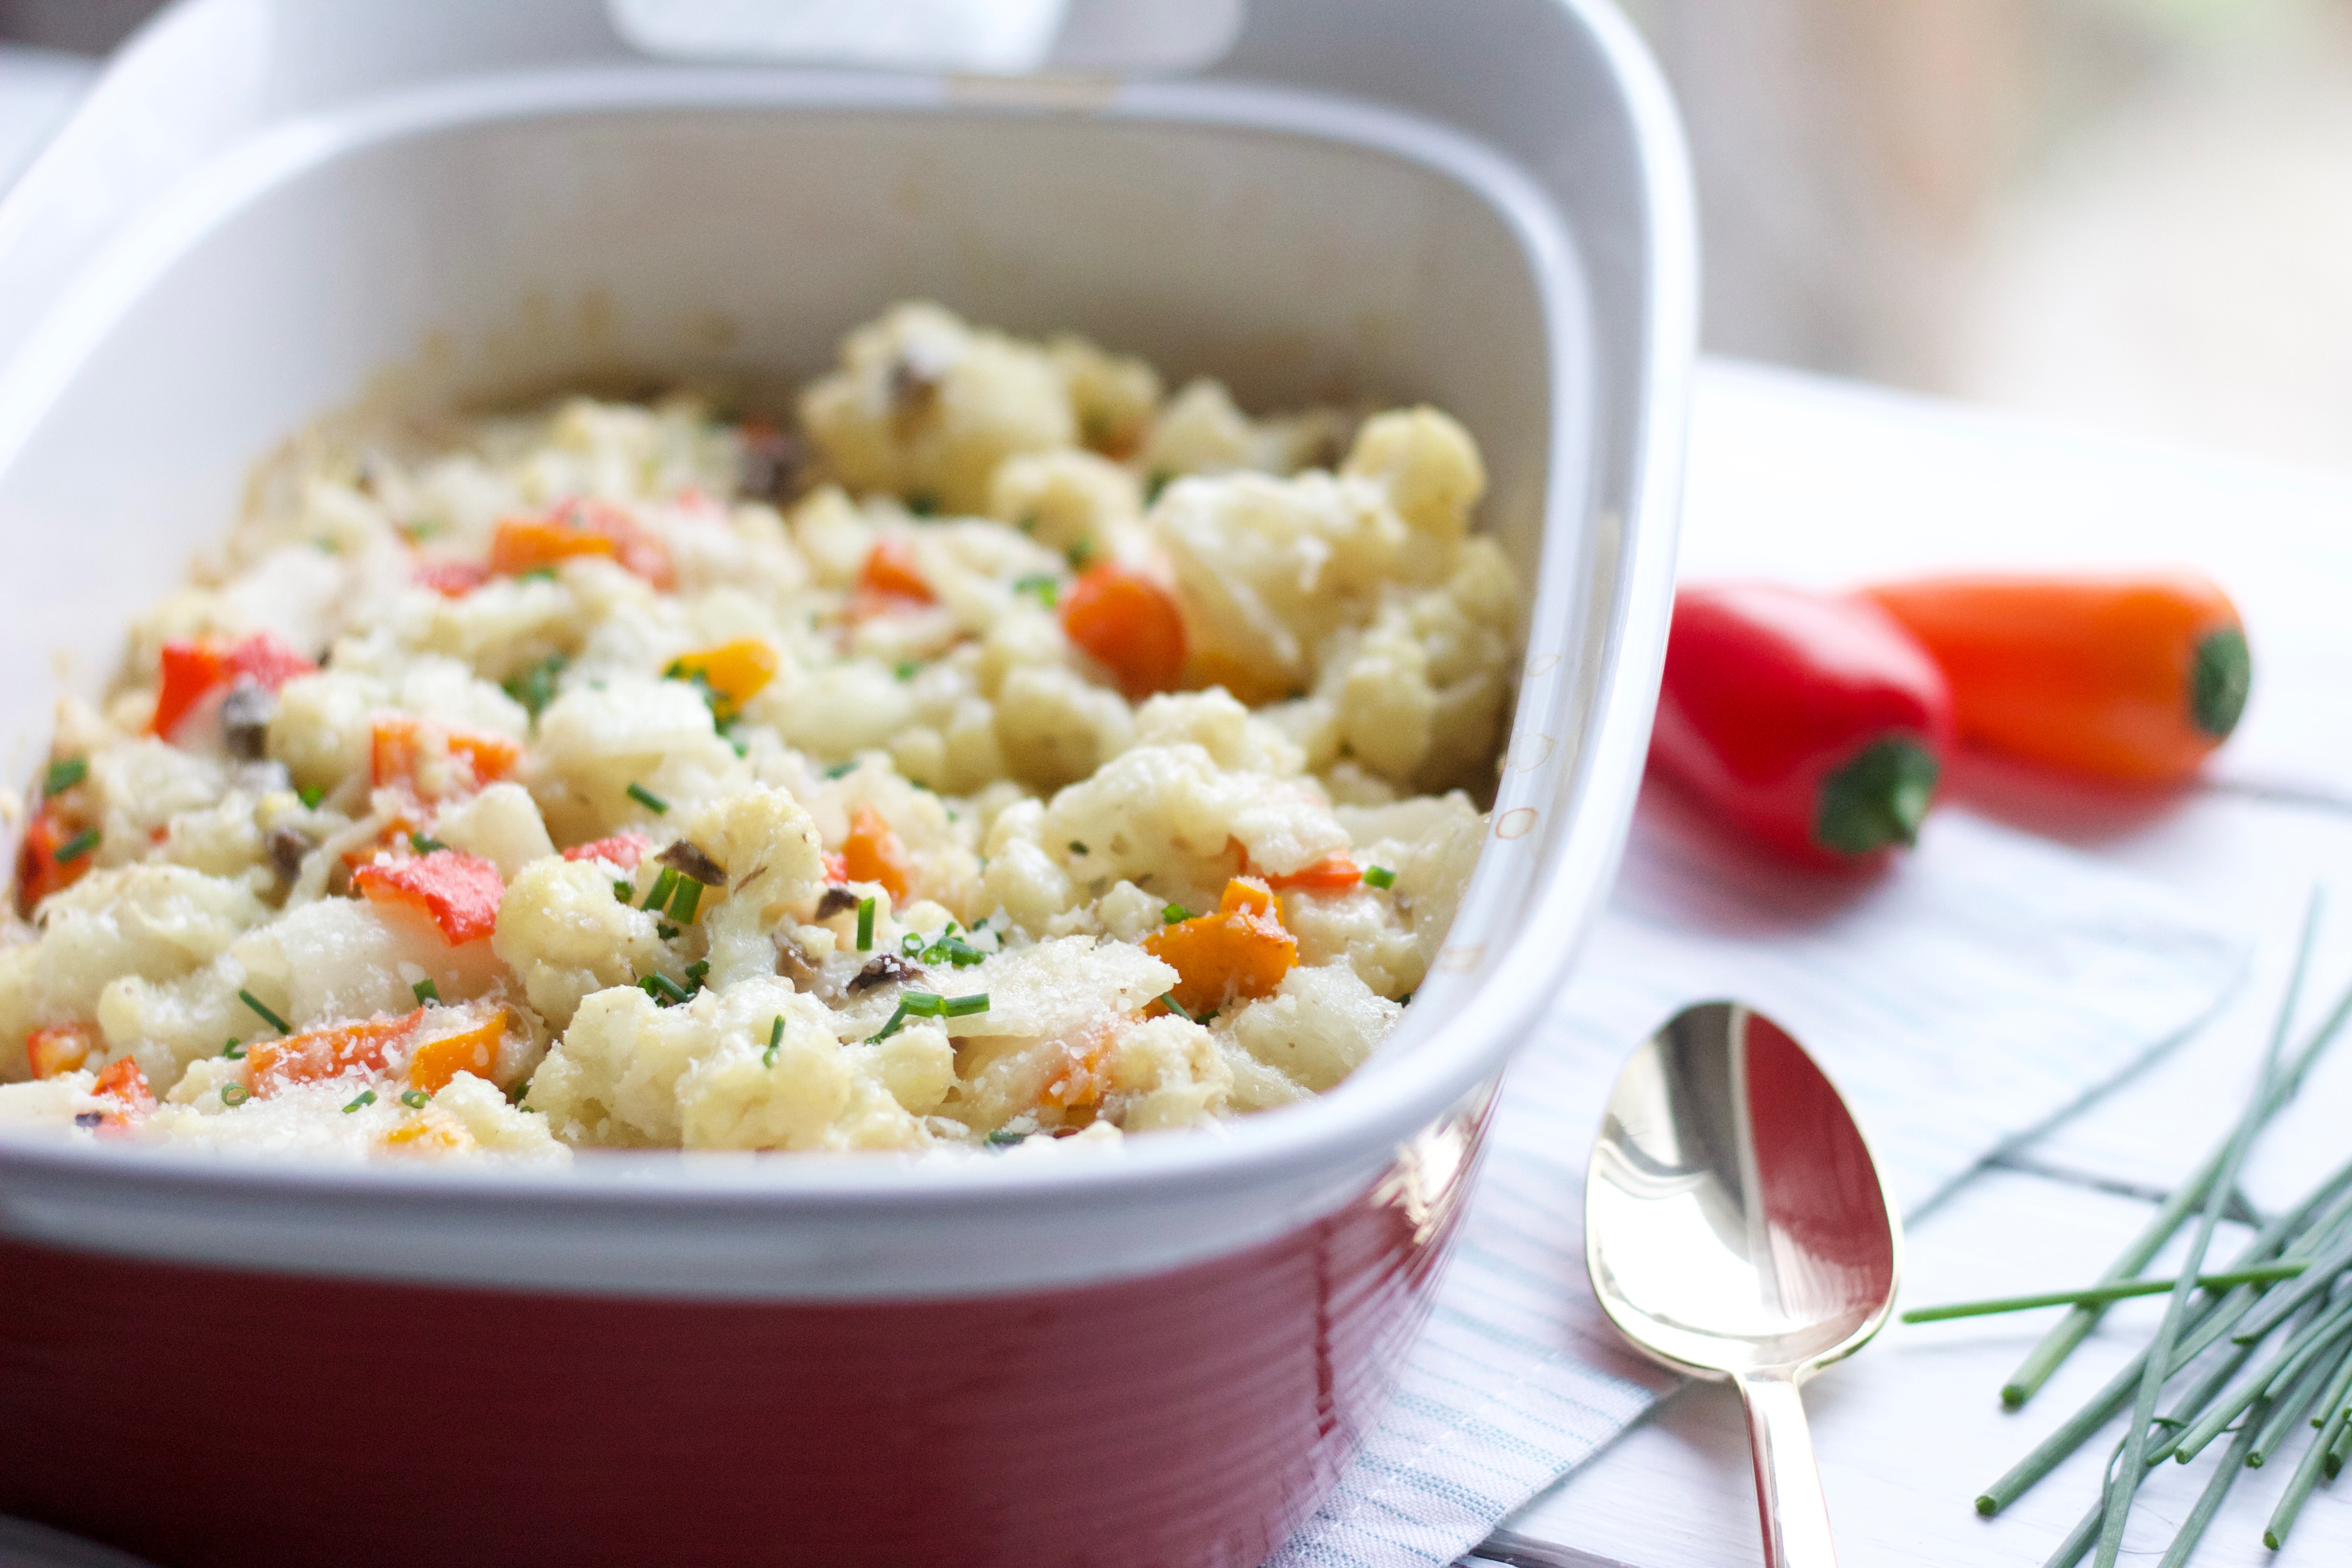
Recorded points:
(1788,1480)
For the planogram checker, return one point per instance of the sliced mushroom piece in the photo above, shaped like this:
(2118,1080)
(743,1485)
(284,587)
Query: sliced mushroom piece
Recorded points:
(246,713)
(688,860)
(886,970)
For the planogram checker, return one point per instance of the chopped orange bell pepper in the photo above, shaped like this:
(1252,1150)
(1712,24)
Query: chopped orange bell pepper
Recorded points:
(434,761)
(321,1054)
(125,1083)
(734,671)
(460,891)
(428,1135)
(874,853)
(191,671)
(41,868)
(1328,875)
(574,528)
(1130,623)
(59,1047)
(623,849)
(1088,1077)
(1238,951)
(474,1049)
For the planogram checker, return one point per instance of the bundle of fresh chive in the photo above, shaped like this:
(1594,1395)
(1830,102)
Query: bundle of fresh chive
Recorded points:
(2282,1308)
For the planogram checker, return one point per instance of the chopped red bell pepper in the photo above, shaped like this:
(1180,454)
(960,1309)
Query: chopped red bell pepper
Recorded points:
(623,849)
(192,671)
(890,582)
(452,579)
(837,870)
(40,870)
(1131,624)
(458,891)
(1812,722)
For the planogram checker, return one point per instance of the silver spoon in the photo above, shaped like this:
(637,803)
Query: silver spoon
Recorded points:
(1735,1227)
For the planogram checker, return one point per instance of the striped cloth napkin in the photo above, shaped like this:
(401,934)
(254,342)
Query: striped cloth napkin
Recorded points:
(1988,986)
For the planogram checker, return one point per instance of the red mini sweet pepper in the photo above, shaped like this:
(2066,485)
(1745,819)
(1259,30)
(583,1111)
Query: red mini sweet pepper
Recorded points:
(1813,723)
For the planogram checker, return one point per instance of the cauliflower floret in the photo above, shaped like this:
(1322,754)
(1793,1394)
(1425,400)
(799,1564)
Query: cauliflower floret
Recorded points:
(1166,813)
(1055,728)
(341,959)
(1432,843)
(151,923)
(1315,1030)
(1202,432)
(501,824)
(1211,719)
(1073,502)
(1429,464)
(927,408)
(765,848)
(594,744)
(629,1074)
(1113,395)
(322,728)
(1166,1072)
(565,935)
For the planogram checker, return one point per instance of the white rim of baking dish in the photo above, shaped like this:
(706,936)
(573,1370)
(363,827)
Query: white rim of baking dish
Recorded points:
(1416,1075)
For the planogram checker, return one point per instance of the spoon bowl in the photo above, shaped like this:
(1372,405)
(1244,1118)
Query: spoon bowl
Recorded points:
(1735,1227)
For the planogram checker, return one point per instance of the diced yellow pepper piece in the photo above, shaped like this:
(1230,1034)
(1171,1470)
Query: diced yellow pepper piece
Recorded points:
(734,671)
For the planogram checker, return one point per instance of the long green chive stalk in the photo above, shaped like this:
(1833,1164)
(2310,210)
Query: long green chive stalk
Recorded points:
(2209,1501)
(2069,1332)
(2315,1458)
(2265,1274)
(2279,1373)
(2289,1406)
(2131,1470)
(2341,1446)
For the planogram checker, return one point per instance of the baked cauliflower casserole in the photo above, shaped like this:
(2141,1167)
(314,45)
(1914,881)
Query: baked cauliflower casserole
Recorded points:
(1007,754)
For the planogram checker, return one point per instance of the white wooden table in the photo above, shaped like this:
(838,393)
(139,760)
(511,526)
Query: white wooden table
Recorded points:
(1820,482)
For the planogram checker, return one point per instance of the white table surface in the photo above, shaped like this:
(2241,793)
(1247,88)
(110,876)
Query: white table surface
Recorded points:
(1816,481)
(1823,482)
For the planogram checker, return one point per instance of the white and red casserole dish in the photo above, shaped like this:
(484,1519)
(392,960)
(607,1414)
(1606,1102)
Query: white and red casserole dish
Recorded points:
(272,208)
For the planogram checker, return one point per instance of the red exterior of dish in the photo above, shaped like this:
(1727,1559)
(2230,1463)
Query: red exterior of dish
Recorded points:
(210,1417)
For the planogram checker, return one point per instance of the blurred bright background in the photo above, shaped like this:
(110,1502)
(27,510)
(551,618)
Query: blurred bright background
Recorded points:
(2128,215)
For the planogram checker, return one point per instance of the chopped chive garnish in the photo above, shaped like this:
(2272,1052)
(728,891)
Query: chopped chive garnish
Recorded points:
(665,990)
(1028,523)
(1379,876)
(1039,586)
(1170,913)
(424,844)
(1077,847)
(664,929)
(235,1094)
(269,1018)
(311,795)
(62,776)
(842,770)
(535,687)
(685,900)
(233,1050)
(931,1004)
(427,994)
(650,800)
(698,970)
(366,1096)
(79,845)
(865,925)
(1405,1000)
(1168,1000)
(522,1090)
(1006,1140)
(625,891)
(664,886)
(414,1098)
(538,574)
(1080,554)
(775,1039)
(908,668)
(911,943)
(923,503)
(965,1007)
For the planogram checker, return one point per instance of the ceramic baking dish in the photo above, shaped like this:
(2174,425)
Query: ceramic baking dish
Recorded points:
(272,208)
